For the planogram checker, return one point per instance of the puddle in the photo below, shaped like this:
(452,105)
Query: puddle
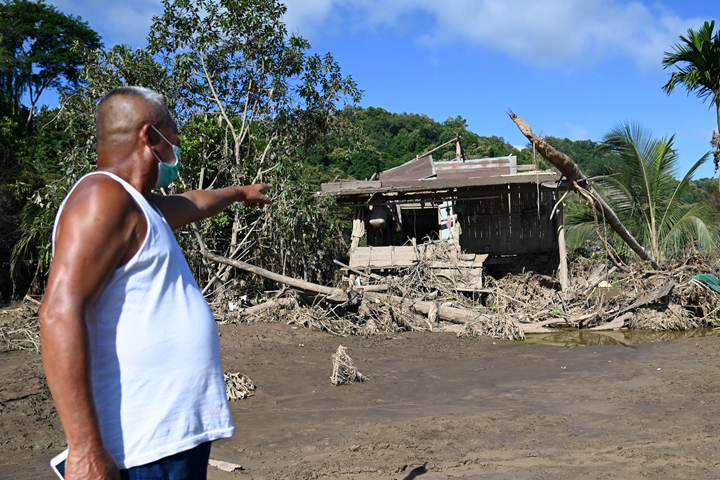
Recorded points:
(625,338)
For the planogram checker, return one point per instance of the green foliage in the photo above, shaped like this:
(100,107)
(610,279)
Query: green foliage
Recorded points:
(250,102)
(38,50)
(698,56)
(641,188)
(370,140)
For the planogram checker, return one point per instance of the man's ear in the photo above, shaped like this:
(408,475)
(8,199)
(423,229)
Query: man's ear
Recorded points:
(149,135)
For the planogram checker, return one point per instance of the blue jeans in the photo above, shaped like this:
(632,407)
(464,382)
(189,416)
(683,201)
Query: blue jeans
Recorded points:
(188,465)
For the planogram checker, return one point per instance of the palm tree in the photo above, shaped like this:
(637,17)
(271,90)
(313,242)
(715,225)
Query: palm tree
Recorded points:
(641,187)
(697,58)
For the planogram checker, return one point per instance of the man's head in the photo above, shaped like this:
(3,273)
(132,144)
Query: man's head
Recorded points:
(124,111)
(133,122)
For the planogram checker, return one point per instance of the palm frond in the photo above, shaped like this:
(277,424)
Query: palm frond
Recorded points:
(681,187)
(695,225)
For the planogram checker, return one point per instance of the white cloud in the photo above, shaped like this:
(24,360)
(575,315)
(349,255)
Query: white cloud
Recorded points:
(547,33)
(307,17)
(126,22)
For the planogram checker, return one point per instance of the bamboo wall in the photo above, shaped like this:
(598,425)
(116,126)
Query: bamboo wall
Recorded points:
(508,223)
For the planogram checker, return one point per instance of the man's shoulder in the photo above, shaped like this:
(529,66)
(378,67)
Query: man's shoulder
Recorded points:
(100,195)
(100,191)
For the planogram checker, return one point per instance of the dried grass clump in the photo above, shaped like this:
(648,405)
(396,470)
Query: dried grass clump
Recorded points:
(371,319)
(324,320)
(495,327)
(344,370)
(674,317)
(238,386)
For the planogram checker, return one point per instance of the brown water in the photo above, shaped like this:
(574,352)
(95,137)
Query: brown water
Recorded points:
(626,338)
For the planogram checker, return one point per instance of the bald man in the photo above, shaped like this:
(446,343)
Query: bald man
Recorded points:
(130,347)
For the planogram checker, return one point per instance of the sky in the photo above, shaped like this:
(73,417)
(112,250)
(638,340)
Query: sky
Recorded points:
(571,68)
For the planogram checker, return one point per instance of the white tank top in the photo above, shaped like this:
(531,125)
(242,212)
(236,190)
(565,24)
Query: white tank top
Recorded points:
(156,373)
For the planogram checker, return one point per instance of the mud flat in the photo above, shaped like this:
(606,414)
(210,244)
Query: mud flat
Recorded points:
(435,407)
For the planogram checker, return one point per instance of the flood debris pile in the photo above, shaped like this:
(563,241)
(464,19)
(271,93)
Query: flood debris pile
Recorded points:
(416,299)
(684,297)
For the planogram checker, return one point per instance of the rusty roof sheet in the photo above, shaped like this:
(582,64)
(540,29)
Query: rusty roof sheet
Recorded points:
(416,169)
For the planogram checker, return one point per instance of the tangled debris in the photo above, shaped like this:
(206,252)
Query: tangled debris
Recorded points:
(238,386)
(344,370)
(20,327)
(597,298)
(416,299)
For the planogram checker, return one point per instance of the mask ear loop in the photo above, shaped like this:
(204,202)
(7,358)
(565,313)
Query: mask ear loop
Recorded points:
(150,145)
(172,145)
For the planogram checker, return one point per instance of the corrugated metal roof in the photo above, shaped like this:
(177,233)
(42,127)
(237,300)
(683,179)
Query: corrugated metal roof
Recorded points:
(425,168)
(416,169)
(477,168)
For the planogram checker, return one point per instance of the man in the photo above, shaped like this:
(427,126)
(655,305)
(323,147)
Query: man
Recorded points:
(130,347)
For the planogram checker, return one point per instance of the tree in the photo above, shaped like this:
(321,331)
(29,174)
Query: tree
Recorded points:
(697,58)
(38,50)
(642,189)
(251,101)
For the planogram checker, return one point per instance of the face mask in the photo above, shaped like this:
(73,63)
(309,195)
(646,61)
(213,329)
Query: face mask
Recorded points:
(167,173)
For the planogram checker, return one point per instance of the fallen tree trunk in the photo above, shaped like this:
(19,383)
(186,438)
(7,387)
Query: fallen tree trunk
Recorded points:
(576,177)
(277,303)
(444,311)
(333,295)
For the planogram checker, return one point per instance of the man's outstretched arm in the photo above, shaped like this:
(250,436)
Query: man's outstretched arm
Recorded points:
(95,235)
(196,205)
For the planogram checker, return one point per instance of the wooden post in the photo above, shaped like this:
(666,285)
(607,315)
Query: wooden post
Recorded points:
(562,251)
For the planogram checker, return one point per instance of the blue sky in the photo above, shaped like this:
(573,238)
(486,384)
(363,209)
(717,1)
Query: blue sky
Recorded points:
(570,68)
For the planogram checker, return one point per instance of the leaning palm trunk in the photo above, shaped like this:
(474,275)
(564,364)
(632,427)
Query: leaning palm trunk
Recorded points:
(579,183)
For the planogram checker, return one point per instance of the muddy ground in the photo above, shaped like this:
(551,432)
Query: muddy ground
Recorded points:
(435,407)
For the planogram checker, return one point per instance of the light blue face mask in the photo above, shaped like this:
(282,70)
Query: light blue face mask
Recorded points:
(167,173)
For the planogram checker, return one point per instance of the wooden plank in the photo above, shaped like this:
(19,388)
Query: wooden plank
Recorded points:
(350,186)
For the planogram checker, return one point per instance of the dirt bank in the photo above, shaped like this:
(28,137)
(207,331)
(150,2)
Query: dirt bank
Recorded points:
(435,407)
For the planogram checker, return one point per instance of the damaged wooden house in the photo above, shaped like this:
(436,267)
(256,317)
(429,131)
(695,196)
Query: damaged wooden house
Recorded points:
(462,217)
